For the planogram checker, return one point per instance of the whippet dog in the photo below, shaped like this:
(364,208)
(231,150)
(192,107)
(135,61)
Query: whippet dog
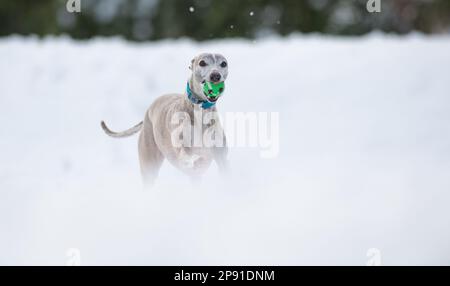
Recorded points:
(161,125)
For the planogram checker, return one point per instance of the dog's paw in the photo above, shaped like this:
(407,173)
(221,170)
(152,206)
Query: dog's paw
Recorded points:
(191,161)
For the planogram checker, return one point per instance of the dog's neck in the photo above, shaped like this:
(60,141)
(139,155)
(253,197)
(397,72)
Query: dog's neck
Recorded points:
(194,98)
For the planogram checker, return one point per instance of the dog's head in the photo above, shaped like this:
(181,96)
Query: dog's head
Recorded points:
(208,68)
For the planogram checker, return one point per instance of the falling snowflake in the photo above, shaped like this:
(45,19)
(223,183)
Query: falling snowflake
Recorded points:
(252,13)
(191,9)
(231,26)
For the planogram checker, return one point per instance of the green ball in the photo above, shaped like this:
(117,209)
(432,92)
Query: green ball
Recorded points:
(213,90)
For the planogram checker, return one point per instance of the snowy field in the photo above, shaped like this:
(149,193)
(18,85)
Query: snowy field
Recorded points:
(364,158)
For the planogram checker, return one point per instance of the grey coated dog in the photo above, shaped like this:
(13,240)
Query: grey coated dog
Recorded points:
(156,130)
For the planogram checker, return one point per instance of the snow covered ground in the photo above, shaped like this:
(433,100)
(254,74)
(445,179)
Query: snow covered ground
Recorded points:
(364,158)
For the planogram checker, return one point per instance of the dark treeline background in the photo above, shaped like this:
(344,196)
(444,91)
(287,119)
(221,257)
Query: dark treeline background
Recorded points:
(207,19)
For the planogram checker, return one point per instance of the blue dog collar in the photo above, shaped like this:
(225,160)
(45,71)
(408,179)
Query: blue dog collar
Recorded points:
(204,104)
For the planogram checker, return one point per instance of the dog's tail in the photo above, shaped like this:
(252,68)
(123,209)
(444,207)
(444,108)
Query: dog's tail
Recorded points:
(122,134)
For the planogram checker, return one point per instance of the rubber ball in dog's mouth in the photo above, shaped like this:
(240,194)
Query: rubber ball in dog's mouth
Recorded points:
(213,90)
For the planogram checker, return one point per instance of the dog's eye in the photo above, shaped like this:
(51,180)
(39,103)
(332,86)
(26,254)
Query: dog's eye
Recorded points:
(202,63)
(223,64)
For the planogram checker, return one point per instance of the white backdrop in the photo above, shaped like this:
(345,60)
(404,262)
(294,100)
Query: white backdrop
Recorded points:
(364,157)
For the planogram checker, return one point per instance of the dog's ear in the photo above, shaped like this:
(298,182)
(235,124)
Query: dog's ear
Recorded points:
(191,66)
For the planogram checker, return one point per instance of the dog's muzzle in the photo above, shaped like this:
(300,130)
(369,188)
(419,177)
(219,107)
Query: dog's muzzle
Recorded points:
(215,77)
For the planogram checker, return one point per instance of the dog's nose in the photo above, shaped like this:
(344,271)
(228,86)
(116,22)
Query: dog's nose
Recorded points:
(215,77)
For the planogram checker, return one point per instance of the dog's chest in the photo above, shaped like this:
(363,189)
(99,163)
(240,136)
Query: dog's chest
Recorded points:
(205,124)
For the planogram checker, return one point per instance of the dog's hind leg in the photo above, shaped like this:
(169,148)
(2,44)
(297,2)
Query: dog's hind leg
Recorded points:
(150,158)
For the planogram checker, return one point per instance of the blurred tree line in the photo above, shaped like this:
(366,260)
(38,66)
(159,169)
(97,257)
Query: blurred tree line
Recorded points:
(142,20)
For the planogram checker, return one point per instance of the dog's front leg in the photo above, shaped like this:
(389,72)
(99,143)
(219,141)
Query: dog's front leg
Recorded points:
(220,156)
(221,159)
